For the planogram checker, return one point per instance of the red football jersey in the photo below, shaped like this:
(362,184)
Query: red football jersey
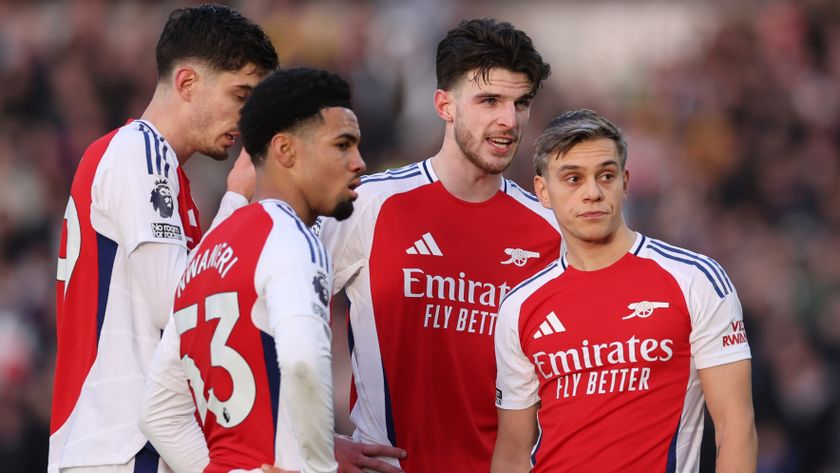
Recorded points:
(612,356)
(425,272)
(259,267)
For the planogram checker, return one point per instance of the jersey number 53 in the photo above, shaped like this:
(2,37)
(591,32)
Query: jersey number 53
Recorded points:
(229,413)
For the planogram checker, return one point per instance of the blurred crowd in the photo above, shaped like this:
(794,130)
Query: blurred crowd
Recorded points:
(734,152)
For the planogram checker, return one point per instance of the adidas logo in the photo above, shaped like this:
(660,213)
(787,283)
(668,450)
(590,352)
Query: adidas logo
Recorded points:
(424,246)
(550,325)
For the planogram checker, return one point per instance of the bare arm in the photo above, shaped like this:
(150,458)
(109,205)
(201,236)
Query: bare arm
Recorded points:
(728,392)
(516,437)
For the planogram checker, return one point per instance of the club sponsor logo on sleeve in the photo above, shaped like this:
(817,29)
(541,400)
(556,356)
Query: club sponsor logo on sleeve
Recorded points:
(738,335)
(320,311)
(498,396)
(322,288)
(316,227)
(161,199)
(165,230)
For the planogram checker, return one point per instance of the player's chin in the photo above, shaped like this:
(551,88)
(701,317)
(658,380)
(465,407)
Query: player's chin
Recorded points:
(497,164)
(594,234)
(343,210)
(218,154)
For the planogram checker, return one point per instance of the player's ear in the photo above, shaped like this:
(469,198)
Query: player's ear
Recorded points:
(185,79)
(444,105)
(626,183)
(282,148)
(541,189)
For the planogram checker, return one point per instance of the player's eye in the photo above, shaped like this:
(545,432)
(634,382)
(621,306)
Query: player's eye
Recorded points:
(489,100)
(344,145)
(523,104)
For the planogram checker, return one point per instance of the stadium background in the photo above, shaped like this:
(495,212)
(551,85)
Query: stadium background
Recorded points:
(732,112)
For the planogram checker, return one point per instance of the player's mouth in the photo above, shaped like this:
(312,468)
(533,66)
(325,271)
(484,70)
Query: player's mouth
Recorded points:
(501,143)
(593,214)
(353,185)
(231,137)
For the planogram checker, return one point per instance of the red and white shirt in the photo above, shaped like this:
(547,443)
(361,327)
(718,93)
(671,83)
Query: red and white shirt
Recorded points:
(128,190)
(425,272)
(612,356)
(250,311)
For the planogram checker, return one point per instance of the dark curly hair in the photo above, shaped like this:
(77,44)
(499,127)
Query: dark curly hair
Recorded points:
(483,44)
(217,35)
(285,100)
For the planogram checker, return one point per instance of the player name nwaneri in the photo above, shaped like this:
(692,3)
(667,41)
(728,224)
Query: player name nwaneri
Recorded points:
(220,258)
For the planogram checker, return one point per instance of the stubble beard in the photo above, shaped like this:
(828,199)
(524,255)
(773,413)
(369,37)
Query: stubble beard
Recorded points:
(214,151)
(216,154)
(202,125)
(466,142)
(343,210)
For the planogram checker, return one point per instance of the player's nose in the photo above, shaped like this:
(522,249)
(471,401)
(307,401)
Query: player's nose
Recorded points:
(507,115)
(591,190)
(357,164)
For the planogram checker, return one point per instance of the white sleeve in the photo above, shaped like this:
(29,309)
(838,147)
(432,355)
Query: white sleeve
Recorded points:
(516,381)
(230,203)
(131,205)
(303,354)
(296,299)
(154,270)
(347,242)
(168,418)
(717,335)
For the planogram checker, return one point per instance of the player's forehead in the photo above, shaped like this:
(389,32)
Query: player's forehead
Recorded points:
(594,153)
(497,81)
(339,121)
(248,76)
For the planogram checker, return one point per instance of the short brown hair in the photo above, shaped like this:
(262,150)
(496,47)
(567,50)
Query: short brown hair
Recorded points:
(483,44)
(571,128)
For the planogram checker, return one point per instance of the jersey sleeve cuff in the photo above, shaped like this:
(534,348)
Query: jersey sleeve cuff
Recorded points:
(722,359)
(235,200)
(167,237)
(516,404)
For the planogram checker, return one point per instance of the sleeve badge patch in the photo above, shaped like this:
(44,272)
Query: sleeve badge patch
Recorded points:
(162,198)
(165,230)
(319,283)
